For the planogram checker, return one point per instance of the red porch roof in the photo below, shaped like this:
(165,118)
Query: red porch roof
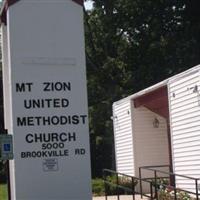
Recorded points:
(156,101)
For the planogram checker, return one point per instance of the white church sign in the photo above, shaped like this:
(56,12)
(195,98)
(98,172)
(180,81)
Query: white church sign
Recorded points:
(45,99)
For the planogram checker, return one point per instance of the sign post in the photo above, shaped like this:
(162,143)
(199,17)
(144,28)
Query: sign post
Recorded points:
(44,62)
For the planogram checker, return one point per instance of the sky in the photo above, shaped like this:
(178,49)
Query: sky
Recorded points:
(88,5)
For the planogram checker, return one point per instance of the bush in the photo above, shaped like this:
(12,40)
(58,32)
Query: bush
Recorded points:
(98,187)
(161,183)
(168,194)
(127,182)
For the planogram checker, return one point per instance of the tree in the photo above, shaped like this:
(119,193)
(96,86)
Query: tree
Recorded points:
(106,71)
(132,44)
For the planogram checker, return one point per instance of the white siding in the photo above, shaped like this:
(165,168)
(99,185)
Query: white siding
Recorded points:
(123,137)
(151,144)
(185,128)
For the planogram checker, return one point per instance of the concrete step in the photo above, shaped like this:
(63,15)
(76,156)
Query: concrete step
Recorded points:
(122,197)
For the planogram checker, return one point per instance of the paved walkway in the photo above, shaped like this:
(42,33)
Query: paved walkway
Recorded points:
(122,197)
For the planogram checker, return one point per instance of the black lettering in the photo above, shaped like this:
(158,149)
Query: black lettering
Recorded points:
(24,87)
(21,121)
(28,154)
(75,119)
(63,120)
(64,103)
(67,86)
(54,137)
(80,151)
(23,154)
(27,104)
(30,121)
(63,137)
(38,138)
(35,103)
(50,137)
(50,153)
(56,103)
(71,137)
(55,120)
(39,154)
(33,154)
(51,120)
(57,86)
(46,121)
(46,87)
(83,118)
(46,138)
(48,102)
(69,120)
(66,152)
(61,145)
(29,138)
(44,154)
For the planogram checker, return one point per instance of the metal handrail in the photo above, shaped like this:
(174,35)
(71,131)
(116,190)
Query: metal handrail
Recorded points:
(152,168)
(169,173)
(132,190)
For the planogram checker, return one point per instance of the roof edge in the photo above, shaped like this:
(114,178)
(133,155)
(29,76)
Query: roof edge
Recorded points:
(80,2)
(8,3)
(144,91)
(159,85)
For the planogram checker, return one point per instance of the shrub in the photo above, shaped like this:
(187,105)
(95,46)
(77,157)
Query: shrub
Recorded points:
(183,196)
(98,187)
(161,183)
(168,194)
(127,182)
(124,183)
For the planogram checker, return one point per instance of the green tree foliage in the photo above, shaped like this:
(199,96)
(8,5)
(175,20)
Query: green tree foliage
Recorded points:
(132,44)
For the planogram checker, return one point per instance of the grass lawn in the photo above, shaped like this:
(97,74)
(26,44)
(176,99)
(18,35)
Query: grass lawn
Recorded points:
(3,192)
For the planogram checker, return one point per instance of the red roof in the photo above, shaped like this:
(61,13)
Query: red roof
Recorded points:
(156,101)
(8,3)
